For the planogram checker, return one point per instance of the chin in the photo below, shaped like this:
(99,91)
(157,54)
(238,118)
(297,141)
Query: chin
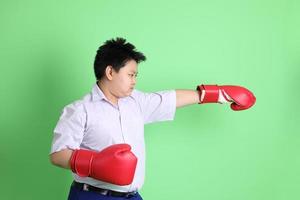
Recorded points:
(129,93)
(126,94)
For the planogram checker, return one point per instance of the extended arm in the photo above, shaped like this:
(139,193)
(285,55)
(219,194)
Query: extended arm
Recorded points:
(186,97)
(239,97)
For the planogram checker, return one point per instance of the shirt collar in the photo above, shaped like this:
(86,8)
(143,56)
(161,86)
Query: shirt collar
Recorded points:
(97,93)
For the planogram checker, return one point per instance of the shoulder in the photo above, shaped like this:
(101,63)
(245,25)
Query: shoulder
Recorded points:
(78,105)
(137,93)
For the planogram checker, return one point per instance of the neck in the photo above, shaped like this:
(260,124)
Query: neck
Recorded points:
(106,91)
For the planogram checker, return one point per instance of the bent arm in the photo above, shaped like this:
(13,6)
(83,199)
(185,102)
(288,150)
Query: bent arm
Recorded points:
(186,97)
(61,158)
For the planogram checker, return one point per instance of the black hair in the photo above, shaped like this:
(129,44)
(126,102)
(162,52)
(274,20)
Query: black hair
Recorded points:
(115,52)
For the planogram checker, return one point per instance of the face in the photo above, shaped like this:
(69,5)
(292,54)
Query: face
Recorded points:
(123,82)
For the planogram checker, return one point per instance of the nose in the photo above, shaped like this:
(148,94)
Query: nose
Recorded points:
(134,81)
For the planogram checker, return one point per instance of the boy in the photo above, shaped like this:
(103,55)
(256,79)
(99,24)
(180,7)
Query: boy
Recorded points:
(101,137)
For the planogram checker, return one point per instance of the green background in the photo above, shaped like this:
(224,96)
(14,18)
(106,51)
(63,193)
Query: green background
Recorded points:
(208,152)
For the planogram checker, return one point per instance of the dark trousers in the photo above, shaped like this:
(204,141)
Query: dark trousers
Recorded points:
(78,194)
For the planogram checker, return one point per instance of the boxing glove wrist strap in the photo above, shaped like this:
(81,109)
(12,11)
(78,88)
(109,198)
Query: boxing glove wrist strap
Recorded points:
(81,161)
(208,93)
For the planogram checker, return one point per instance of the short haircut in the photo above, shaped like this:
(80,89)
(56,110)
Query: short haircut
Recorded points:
(115,52)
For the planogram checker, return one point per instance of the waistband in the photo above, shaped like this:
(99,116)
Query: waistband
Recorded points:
(106,192)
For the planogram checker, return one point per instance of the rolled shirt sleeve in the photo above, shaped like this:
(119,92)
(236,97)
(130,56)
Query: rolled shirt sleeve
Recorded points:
(70,127)
(157,106)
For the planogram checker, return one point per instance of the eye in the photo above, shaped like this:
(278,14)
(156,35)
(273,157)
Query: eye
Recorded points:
(132,75)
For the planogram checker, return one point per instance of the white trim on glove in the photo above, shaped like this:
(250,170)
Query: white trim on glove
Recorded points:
(222,99)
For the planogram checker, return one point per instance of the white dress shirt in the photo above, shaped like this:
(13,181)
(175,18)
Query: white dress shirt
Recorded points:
(94,123)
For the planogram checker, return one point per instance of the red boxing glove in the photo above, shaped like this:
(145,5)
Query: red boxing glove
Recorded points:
(240,97)
(115,164)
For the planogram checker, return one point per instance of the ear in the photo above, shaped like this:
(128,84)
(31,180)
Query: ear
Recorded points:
(109,72)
